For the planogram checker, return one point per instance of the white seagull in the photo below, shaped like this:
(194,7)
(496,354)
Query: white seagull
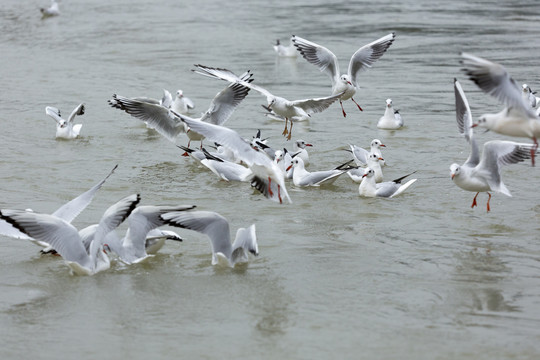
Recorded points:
(65,238)
(360,155)
(482,174)
(156,238)
(302,177)
(266,173)
(292,111)
(285,51)
(52,10)
(299,150)
(343,84)
(226,170)
(67,212)
(65,129)
(165,120)
(182,104)
(369,188)
(518,119)
(216,227)
(391,120)
(131,248)
(529,95)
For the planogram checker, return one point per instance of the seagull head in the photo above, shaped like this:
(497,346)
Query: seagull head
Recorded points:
(345,78)
(388,102)
(454,170)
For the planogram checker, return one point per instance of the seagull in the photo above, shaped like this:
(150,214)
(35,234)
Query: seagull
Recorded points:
(166,120)
(226,170)
(343,84)
(285,51)
(65,238)
(182,104)
(482,174)
(216,227)
(156,238)
(131,249)
(51,10)
(389,189)
(360,155)
(518,118)
(299,150)
(292,111)
(302,177)
(67,212)
(391,120)
(65,129)
(265,171)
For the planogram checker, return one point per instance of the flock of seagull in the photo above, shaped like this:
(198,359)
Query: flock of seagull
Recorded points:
(235,158)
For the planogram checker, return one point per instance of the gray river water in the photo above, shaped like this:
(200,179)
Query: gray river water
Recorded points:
(420,276)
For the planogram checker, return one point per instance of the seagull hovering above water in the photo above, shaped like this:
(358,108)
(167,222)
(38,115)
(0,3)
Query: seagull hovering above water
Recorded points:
(343,84)
(518,118)
(482,174)
(65,129)
(165,120)
(292,111)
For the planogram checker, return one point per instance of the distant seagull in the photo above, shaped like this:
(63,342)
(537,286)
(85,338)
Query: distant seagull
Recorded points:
(285,51)
(344,85)
(65,129)
(267,176)
(65,238)
(182,104)
(295,110)
(131,248)
(482,174)
(51,10)
(302,177)
(391,120)
(529,95)
(389,189)
(166,121)
(67,212)
(518,119)
(216,227)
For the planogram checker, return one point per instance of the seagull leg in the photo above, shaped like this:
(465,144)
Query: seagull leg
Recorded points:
(290,131)
(357,104)
(342,109)
(533,150)
(474,200)
(279,194)
(185,152)
(270,187)
(488,202)
(285,132)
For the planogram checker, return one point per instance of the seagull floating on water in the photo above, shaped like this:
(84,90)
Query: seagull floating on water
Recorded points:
(344,85)
(285,51)
(369,188)
(391,120)
(302,177)
(52,10)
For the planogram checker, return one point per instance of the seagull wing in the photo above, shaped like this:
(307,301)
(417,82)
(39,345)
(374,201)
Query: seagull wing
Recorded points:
(319,56)
(465,123)
(364,57)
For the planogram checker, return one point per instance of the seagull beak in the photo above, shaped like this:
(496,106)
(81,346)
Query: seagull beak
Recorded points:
(453,176)
(363,176)
(380,158)
(474,125)
(309,145)
(350,83)
(382,145)
(289,168)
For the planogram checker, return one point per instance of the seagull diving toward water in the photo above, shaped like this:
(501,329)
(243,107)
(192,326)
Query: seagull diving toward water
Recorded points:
(482,174)
(518,118)
(65,238)
(292,111)
(165,120)
(65,129)
(266,173)
(216,227)
(344,85)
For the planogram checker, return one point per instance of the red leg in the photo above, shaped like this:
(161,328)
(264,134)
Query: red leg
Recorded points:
(474,200)
(357,104)
(533,150)
(290,132)
(285,132)
(185,153)
(488,202)
(342,109)
(279,194)
(270,186)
